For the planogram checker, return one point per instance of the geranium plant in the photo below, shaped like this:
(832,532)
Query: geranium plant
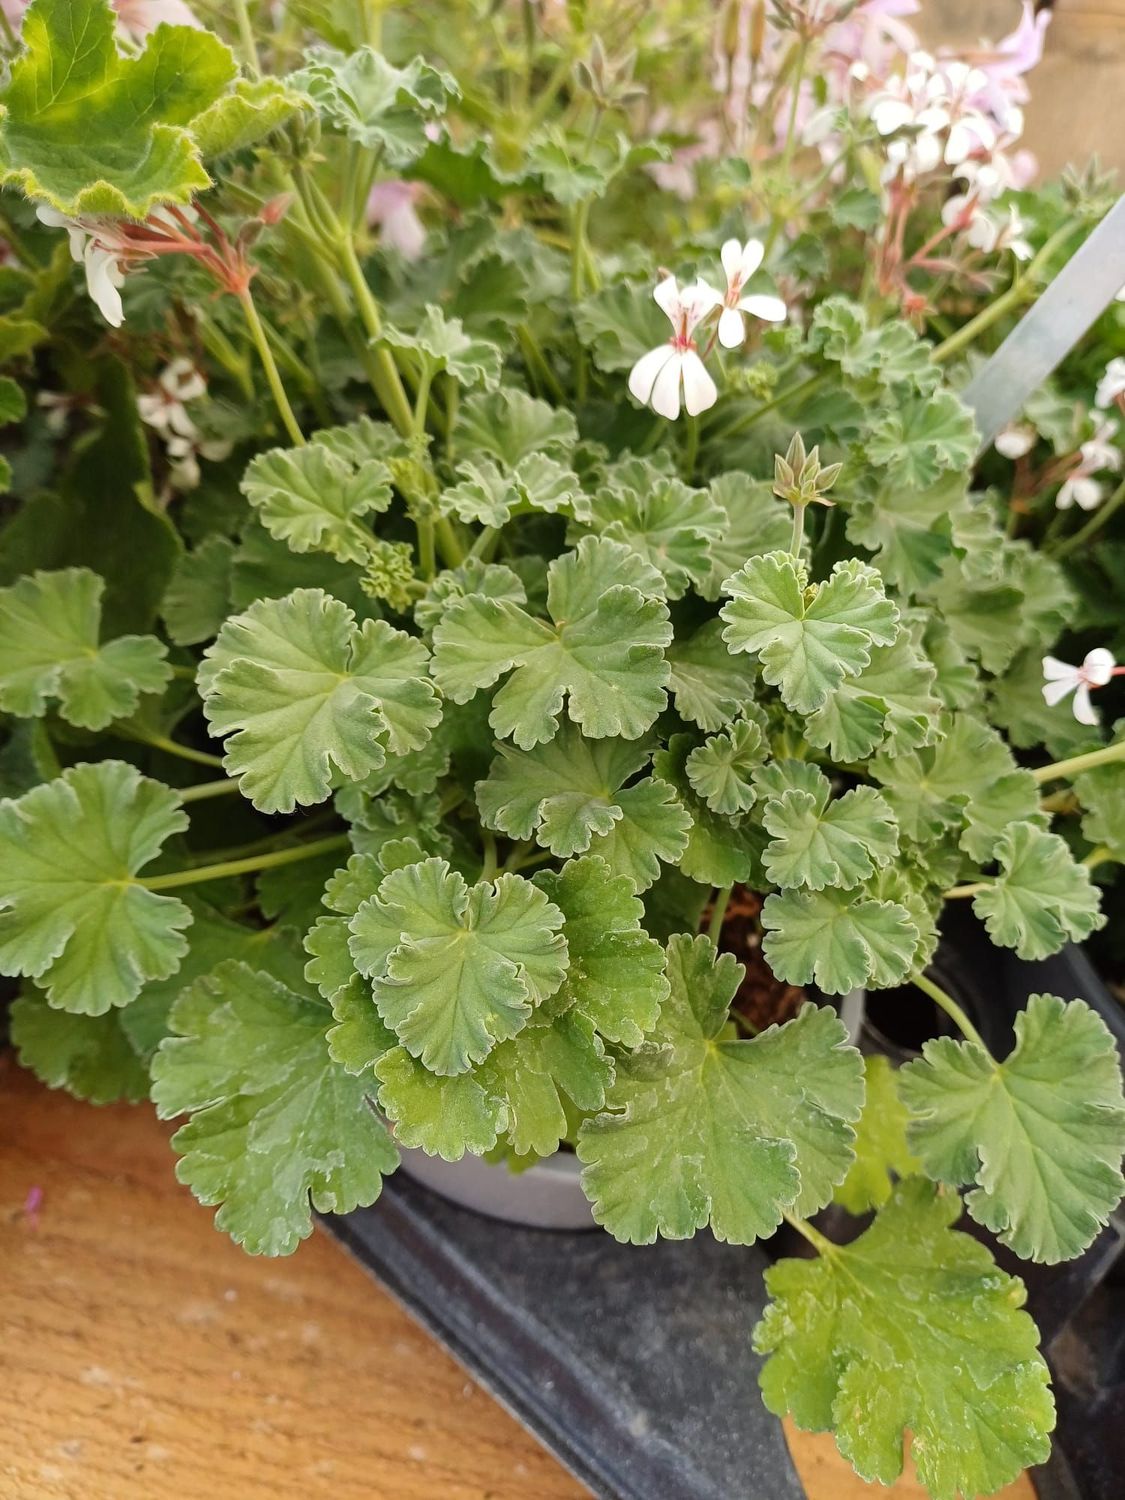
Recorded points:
(508,491)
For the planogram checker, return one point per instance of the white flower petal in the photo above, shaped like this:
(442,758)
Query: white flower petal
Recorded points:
(103,280)
(752,257)
(1015,442)
(1055,692)
(699,299)
(1084,710)
(1055,670)
(700,390)
(731,257)
(769,309)
(642,377)
(665,399)
(1098,666)
(732,330)
(667,297)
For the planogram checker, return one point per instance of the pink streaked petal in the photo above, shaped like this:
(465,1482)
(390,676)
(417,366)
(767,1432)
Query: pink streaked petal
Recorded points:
(665,398)
(732,330)
(642,377)
(1098,666)
(1084,710)
(700,391)
(666,295)
(769,309)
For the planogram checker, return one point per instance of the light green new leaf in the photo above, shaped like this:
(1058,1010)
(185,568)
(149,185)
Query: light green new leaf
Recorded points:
(314,500)
(91,132)
(1041,1134)
(615,976)
(808,638)
(570,796)
(510,425)
(710,686)
(374,104)
(890,703)
(1102,794)
(89,1056)
(308,696)
(72,916)
(49,629)
(441,343)
(490,495)
(1042,897)
(912,1327)
(727,1133)
(493,580)
(881,1150)
(721,849)
(456,969)
(838,940)
(816,842)
(247,114)
(277,1128)
(720,769)
(890,357)
(604,650)
(917,442)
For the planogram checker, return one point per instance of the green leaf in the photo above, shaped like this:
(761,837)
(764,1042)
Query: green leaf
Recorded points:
(253,109)
(605,652)
(277,1128)
(314,500)
(808,638)
(727,1133)
(817,842)
(889,703)
(615,976)
(510,426)
(456,969)
(307,696)
(908,529)
(571,796)
(1042,897)
(13,402)
(881,1150)
(486,493)
(912,1327)
(619,324)
(374,104)
(91,132)
(720,850)
(1102,794)
(710,686)
(197,599)
(756,522)
(441,343)
(919,441)
(890,357)
(89,1056)
(49,629)
(1041,1134)
(494,580)
(72,916)
(837,940)
(719,770)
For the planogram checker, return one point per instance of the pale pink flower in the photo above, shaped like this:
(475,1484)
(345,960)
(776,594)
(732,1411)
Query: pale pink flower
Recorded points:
(660,377)
(136,18)
(740,262)
(1061,678)
(390,205)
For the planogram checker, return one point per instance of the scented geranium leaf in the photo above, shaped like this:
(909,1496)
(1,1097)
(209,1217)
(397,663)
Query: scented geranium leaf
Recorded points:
(571,796)
(488,494)
(987,620)
(889,704)
(360,1036)
(91,132)
(72,914)
(456,969)
(1011,798)
(250,111)
(510,425)
(442,1115)
(314,500)
(384,108)
(615,976)
(890,356)
(911,1327)
(908,529)
(13,402)
(931,788)
(197,599)
(721,850)
(808,638)
(277,1128)
(881,1150)
(664,1160)
(919,440)
(605,654)
(818,842)
(672,526)
(1042,897)
(618,324)
(1041,1134)
(49,629)
(837,940)
(710,686)
(720,769)
(777,777)
(1102,794)
(755,522)
(493,580)
(441,343)
(307,695)
(89,1056)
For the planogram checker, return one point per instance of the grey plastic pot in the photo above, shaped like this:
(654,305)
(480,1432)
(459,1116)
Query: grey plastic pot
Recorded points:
(548,1195)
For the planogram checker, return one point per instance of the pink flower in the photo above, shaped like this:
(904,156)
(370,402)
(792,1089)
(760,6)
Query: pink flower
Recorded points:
(659,377)
(391,206)
(136,18)
(1061,678)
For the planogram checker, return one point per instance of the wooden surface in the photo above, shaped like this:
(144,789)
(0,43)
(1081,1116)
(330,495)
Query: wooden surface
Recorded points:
(146,1358)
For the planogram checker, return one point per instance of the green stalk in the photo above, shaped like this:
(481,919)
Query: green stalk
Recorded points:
(691,447)
(246,38)
(949,1005)
(777,218)
(392,394)
(206,789)
(269,365)
(718,912)
(1092,526)
(1059,769)
(798,536)
(961,892)
(170,747)
(799,388)
(820,1244)
(1098,856)
(227,867)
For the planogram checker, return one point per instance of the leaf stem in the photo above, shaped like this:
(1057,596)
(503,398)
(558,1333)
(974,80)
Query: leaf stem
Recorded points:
(949,1005)
(390,389)
(206,789)
(170,747)
(227,867)
(957,891)
(801,387)
(1098,856)
(798,536)
(778,216)
(269,365)
(820,1243)
(718,912)
(1059,769)
(246,38)
(489,862)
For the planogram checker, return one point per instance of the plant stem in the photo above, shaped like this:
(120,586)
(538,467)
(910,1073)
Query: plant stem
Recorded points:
(1059,769)
(389,390)
(1098,856)
(269,365)
(691,447)
(184,752)
(958,891)
(949,1005)
(778,216)
(718,912)
(801,387)
(489,862)
(1093,525)
(246,38)
(820,1244)
(798,531)
(246,866)
(206,789)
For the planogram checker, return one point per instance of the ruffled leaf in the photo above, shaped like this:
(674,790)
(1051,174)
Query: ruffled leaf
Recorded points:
(837,940)
(314,500)
(818,842)
(1042,897)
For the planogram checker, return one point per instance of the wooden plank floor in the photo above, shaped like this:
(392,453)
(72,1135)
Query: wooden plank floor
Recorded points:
(146,1358)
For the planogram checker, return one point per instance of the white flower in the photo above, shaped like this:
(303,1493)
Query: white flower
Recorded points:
(1061,679)
(1081,490)
(1015,441)
(104,275)
(657,378)
(1096,454)
(740,262)
(1112,383)
(164,410)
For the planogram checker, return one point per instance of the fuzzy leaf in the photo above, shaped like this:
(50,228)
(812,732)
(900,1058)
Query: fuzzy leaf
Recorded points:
(91,132)
(837,940)
(1102,794)
(890,703)
(664,1159)
(253,109)
(277,1128)
(1041,1134)
(71,915)
(374,104)
(910,1327)
(510,425)
(756,522)
(605,652)
(314,500)
(816,842)
(441,343)
(917,442)
(808,638)
(49,629)
(881,1150)
(308,696)
(1042,897)
(487,494)
(720,769)
(456,969)
(720,850)
(890,357)
(89,1056)
(710,686)
(197,599)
